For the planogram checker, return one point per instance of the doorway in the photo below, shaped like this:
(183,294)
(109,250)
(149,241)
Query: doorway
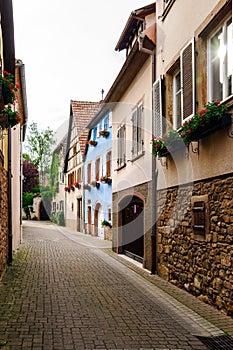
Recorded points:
(132,227)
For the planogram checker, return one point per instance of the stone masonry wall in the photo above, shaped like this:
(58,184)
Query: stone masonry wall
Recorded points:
(3,218)
(202,266)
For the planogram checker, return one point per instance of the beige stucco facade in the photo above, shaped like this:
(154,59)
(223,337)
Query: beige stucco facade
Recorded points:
(138,171)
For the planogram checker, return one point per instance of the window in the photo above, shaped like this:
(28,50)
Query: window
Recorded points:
(220,59)
(137,131)
(106,122)
(61,205)
(97,169)
(121,146)
(95,133)
(89,173)
(79,175)
(177,116)
(200,216)
(109,214)
(108,163)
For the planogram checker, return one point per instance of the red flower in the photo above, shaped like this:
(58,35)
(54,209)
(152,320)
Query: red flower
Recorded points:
(5,73)
(217,102)
(17,86)
(202,112)
(157,146)
(182,135)
(189,131)
(184,124)
(10,86)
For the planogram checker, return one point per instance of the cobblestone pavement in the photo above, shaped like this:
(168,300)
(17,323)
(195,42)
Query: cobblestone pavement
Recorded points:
(67,290)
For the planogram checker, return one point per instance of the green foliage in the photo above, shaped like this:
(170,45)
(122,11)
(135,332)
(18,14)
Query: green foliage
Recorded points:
(58,218)
(39,145)
(28,199)
(106,223)
(212,112)
(54,173)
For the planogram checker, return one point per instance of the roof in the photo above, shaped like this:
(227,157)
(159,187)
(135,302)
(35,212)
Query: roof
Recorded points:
(83,112)
(132,25)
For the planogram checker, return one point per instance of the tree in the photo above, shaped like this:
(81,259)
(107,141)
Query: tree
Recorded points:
(39,145)
(30,176)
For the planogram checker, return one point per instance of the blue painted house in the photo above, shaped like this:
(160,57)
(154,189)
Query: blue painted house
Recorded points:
(98,176)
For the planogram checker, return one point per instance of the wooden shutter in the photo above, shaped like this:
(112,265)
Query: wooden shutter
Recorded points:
(134,132)
(139,129)
(188,80)
(121,146)
(157,123)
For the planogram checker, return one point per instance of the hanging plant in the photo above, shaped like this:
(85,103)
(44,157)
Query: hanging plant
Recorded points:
(9,88)
(106,223)
(95,184)
(77,185)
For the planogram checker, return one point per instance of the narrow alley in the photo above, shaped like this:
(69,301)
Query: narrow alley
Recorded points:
(66,290)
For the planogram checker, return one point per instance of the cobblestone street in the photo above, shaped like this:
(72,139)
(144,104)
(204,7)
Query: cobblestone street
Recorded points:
(66,291)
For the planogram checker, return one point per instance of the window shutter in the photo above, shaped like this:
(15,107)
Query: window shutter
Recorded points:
(134,136)
(157,123)
(188,80)
(139,122)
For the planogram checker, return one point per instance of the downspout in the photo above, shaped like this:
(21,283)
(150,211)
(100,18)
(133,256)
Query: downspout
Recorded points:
(141,38)
(154,192)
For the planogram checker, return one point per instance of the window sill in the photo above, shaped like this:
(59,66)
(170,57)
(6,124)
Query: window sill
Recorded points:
(121,167)
(134,158)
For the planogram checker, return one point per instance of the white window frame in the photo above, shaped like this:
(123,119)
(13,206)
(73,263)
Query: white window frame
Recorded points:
(223,65)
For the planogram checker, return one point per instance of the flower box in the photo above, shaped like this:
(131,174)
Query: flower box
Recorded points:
(77,185)
(103,133)
(106,179)
(67,189)
(96,184)
(9,88)
(92,143)
(213,117)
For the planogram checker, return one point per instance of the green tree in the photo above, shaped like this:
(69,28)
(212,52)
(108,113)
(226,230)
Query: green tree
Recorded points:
(39,145)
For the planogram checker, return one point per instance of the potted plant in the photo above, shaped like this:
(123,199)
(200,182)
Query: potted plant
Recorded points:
(106,223)
(104,133)
(95,184)
(213,117)
(92,143)
(106,179)
(87,187)
(77,185)
(9,88)
(67,189)
(8,117)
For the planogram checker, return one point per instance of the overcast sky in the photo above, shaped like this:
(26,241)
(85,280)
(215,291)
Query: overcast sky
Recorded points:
(68,48)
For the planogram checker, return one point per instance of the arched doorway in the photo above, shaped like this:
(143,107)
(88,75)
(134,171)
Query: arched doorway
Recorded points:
(132,227)
(98,218)
(43,214)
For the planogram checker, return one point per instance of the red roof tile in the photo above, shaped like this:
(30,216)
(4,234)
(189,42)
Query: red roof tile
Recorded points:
(83,112)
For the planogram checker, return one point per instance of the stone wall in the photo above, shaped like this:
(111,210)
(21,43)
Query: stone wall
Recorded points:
(3,217)
(202,265)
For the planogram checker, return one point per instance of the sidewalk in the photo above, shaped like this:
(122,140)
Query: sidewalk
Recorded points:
(69,291)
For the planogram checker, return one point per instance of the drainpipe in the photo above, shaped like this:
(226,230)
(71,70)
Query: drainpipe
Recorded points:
(154,193)
(141,38)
